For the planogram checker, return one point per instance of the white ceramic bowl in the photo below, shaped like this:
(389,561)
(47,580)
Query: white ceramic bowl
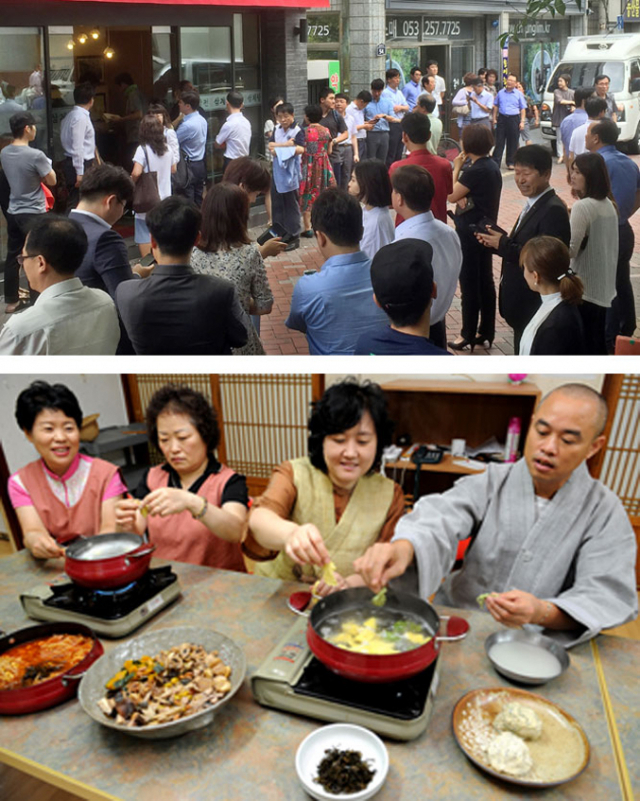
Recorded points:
(343,736)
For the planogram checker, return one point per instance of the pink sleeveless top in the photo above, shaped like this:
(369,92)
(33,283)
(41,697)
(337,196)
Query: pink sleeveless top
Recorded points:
(181,538)
(81,519)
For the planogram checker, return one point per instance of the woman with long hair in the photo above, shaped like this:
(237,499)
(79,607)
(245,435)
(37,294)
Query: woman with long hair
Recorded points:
(371,184)
(556,328)
(153,155)
(594,244)
(562,106)
(476,193)
(225,250)
(169,133)
(252,176)
(317,172)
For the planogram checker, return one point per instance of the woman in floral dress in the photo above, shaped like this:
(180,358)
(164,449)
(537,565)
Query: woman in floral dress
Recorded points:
(224,250)
(317,173)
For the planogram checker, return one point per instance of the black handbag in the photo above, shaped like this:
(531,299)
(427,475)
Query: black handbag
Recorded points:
(181,178)
(146,195)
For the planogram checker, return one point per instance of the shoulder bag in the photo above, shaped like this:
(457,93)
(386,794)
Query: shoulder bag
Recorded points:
(146,195)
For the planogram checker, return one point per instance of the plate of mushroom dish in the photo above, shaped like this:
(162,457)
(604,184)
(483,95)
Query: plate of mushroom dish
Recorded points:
(165,683)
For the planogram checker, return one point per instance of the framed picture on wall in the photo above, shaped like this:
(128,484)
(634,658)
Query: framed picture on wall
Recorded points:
(90,66)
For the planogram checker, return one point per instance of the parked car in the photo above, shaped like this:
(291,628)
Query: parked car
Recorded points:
(615,55)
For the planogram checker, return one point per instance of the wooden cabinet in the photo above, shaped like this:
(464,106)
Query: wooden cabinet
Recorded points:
(439,411)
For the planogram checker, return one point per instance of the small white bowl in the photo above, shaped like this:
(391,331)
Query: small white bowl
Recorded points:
(343,736)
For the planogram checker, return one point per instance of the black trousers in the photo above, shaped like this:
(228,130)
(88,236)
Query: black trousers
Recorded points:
(438,334)
(70,177)
(285,209)
(507,131)
(336,163)
(621,317)
(378,145)
(17,230)
(362,148)
(395,143)
(477,288)
(198,173)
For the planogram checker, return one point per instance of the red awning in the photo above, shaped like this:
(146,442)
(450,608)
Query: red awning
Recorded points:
(236,3)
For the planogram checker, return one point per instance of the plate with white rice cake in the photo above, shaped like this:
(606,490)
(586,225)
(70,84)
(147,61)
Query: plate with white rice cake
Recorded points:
(520,737)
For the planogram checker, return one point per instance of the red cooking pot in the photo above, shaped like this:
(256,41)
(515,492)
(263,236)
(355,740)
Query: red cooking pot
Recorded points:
(51,692)
(371,667)
(107,561)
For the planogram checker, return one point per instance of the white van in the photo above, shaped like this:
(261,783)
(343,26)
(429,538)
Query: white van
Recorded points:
(615,55)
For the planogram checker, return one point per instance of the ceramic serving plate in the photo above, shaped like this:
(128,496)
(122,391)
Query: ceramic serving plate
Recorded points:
(92,687)
(561,753)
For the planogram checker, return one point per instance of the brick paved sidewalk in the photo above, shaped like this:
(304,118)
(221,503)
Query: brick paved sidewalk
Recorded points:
(284,271)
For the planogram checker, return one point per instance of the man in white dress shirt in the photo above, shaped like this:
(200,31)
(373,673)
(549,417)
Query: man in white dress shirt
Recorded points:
(78,140)
(67,317)
(440,88)
(413,191)
(235,134)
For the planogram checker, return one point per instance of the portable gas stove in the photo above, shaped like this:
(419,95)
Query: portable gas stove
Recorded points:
(292,679)
(112,613)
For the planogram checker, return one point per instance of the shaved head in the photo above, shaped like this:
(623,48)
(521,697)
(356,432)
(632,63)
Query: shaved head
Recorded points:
(584,393)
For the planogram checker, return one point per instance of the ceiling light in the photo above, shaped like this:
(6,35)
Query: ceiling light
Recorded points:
(83,38)
(109,52)
(70,44)
(95,34)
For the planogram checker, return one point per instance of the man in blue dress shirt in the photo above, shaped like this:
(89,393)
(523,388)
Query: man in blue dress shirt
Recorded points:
(400,108)
(573,121)
(379,109)
(412,89)
(625,187)
(509,112)
(192,137)
(333,307)
(78,140)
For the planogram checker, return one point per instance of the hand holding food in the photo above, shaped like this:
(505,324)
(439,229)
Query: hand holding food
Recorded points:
(306,546)
(170,501)
(384,561)
(43,546)
(126,514)
(515,608)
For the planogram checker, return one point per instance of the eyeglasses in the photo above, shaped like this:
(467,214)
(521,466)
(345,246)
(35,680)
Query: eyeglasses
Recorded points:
(21,259)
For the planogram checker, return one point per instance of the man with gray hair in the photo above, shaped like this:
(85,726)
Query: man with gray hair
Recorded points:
(552,545)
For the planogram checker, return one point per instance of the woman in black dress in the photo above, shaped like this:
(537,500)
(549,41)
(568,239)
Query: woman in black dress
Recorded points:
(477,184)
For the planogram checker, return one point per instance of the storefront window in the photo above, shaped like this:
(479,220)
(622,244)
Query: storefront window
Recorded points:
(462,58)
(246,32)
(22,89)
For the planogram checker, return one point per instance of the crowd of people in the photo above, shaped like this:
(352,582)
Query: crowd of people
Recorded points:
(398,226)
(335,505)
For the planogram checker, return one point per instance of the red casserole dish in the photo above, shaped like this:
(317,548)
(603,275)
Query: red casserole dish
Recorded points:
(23,700)
(107,561)
(371,667)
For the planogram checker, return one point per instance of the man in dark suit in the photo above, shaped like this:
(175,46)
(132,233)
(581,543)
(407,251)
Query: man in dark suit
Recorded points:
(104,193)
(544,213)
(176,311)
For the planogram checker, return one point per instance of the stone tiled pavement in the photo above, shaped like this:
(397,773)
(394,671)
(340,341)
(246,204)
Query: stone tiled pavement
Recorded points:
(284,271)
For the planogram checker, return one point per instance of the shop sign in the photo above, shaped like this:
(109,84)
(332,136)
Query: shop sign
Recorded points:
(234,3)
(334,75)
(323,28)
(216,101)
(420,28)
(631,11)
(547,29)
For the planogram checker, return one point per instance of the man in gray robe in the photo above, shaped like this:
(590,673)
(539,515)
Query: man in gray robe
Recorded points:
(555,544)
